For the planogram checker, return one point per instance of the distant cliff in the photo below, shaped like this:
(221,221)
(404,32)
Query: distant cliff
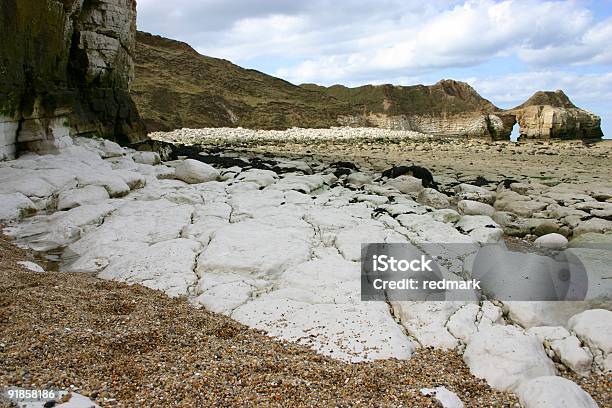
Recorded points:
(177,87)
(65,69)
(551,115)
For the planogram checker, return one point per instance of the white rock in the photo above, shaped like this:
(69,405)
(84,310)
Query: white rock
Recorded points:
(349,240)
(151,158)
(475,193)
(299,182)
(594,327)
(553,392)
(167,266)
(255,249)
(430,230)
(485,235)
(15,206)
(551,241)
(469,223)
(262,178)
(81,196)
(536,313)
(426,321)
(363,331)
(549,333)
(445,397)
(192,171)
(61,228)
(433,198)
(505,356)
(29,185)
(358,179)
(573,355)
(110,149)
(446,215)
(223,293)
(111,180)
(406,184)
(469,207)
(34,267)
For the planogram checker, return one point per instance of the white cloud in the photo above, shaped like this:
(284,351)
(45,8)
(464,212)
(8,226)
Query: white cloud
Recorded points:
(540,33)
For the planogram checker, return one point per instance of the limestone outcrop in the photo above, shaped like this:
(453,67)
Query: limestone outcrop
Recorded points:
(66,67)
(551,115)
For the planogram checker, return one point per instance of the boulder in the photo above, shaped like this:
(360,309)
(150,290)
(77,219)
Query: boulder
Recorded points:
(358,179)
(518,204)
(406,184)
(551,241)
(193,172)
(596,225)
(151,158)
(80,196)
(433,198)
(15,206)
(553,392)
(505,356)
(469,207)
(594,327)
(468,223)
(475,193)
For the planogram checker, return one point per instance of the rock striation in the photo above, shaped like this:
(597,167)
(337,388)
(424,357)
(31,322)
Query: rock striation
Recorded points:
(66,68)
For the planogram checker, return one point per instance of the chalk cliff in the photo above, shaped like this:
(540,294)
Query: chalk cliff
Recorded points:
(65,69)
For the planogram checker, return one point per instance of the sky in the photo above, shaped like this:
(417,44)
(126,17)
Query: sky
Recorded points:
(505,49)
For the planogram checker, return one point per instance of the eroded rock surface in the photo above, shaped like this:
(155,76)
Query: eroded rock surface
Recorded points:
(276,245)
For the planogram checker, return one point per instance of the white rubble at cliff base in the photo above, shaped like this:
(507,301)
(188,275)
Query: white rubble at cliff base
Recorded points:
(280,252)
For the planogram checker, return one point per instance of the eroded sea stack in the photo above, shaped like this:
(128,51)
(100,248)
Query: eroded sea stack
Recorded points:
(66,68)
(551,115)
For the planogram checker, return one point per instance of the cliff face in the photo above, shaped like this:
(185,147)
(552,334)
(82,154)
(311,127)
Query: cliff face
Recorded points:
(551,115)
(445,108)
(65,68)
(176,87)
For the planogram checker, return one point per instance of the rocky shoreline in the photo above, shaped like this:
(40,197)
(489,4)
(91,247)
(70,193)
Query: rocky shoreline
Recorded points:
(272,240)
